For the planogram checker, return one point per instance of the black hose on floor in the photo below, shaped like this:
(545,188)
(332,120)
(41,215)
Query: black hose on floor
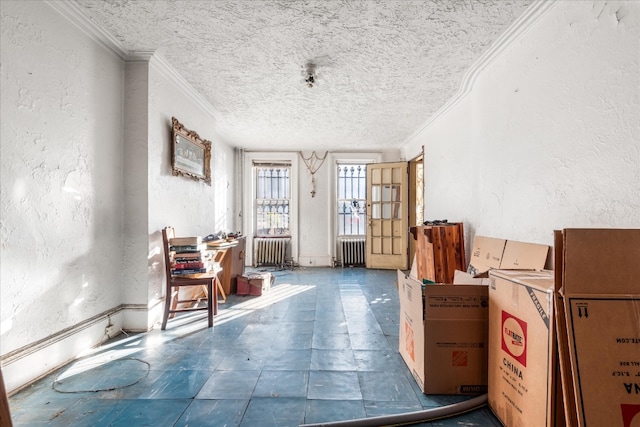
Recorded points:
(411,417)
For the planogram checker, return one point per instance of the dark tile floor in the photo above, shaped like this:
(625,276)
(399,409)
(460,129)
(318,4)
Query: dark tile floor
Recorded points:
(320,346)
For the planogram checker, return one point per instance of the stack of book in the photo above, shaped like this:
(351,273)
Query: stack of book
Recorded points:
(189,256)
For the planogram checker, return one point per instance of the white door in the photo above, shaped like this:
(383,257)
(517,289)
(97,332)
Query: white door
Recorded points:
(387,229)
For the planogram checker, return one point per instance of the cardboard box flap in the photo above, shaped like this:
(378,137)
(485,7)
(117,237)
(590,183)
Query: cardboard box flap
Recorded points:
(463,278)
(540,280)
(486,254)
(601,261)
(523,256)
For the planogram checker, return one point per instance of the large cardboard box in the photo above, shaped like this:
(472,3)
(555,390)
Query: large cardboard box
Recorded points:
(443,335)
(524,381)
(599,271)
(490,253)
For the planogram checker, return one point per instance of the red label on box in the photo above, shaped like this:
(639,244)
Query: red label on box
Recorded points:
(460,358)
(630,415)
(514,337)
(409,342)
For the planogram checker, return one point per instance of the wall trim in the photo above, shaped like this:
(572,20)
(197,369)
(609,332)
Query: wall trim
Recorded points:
(536,11)
(105,39)
(40,345)
(166,69)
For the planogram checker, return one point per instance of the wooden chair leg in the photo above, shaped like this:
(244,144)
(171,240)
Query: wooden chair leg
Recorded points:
(215,285)
(210,307)
(167,306)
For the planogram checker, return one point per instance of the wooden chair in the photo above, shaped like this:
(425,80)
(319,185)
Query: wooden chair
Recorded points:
(207,281)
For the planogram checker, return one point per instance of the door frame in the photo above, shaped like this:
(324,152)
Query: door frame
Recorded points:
(416,194)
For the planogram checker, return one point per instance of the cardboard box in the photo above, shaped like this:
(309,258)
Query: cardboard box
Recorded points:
(254,284)
(443,335)
(524,377)
(490,253)
(463,278)
(599,271)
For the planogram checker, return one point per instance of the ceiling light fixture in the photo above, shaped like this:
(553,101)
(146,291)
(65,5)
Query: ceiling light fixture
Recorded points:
(309,74)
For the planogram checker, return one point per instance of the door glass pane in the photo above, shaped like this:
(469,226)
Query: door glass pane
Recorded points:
(396,211)
(375,210)
(375,193)
(386,210)
(395,193)
(386,193)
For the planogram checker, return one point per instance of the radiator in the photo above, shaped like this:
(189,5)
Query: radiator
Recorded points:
(270,251)
(352,252)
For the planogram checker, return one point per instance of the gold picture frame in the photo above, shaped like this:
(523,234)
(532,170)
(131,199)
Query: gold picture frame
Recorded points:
(190,154)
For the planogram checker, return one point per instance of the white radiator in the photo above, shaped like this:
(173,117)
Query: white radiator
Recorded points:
(270,251)
(352,251)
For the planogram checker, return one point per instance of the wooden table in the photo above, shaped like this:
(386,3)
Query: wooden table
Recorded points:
(230,255)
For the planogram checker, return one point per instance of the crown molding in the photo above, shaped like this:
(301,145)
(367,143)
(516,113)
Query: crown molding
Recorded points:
(533,13)
(166,69)
(105,39)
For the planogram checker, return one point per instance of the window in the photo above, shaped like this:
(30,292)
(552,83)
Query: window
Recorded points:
(273,197)
(352,198)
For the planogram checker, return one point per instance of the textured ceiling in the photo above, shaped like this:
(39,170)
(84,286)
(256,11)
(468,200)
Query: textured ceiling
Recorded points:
(383,67)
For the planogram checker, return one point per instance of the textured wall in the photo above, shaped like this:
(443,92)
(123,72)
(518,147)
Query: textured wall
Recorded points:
(548,136)
(192,207)
(86,186)
(61,176)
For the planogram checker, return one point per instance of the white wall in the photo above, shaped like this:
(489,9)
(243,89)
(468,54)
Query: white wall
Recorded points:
(548,137)
(193,208)
(61,184)
(312,217)
(86,188)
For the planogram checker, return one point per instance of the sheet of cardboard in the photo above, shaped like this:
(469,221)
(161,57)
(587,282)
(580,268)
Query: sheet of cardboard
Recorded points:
(523,256)
(605,347)
(522,348)
(601,261)
(490,253)
(486,253)
(601,295)
(564,363)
